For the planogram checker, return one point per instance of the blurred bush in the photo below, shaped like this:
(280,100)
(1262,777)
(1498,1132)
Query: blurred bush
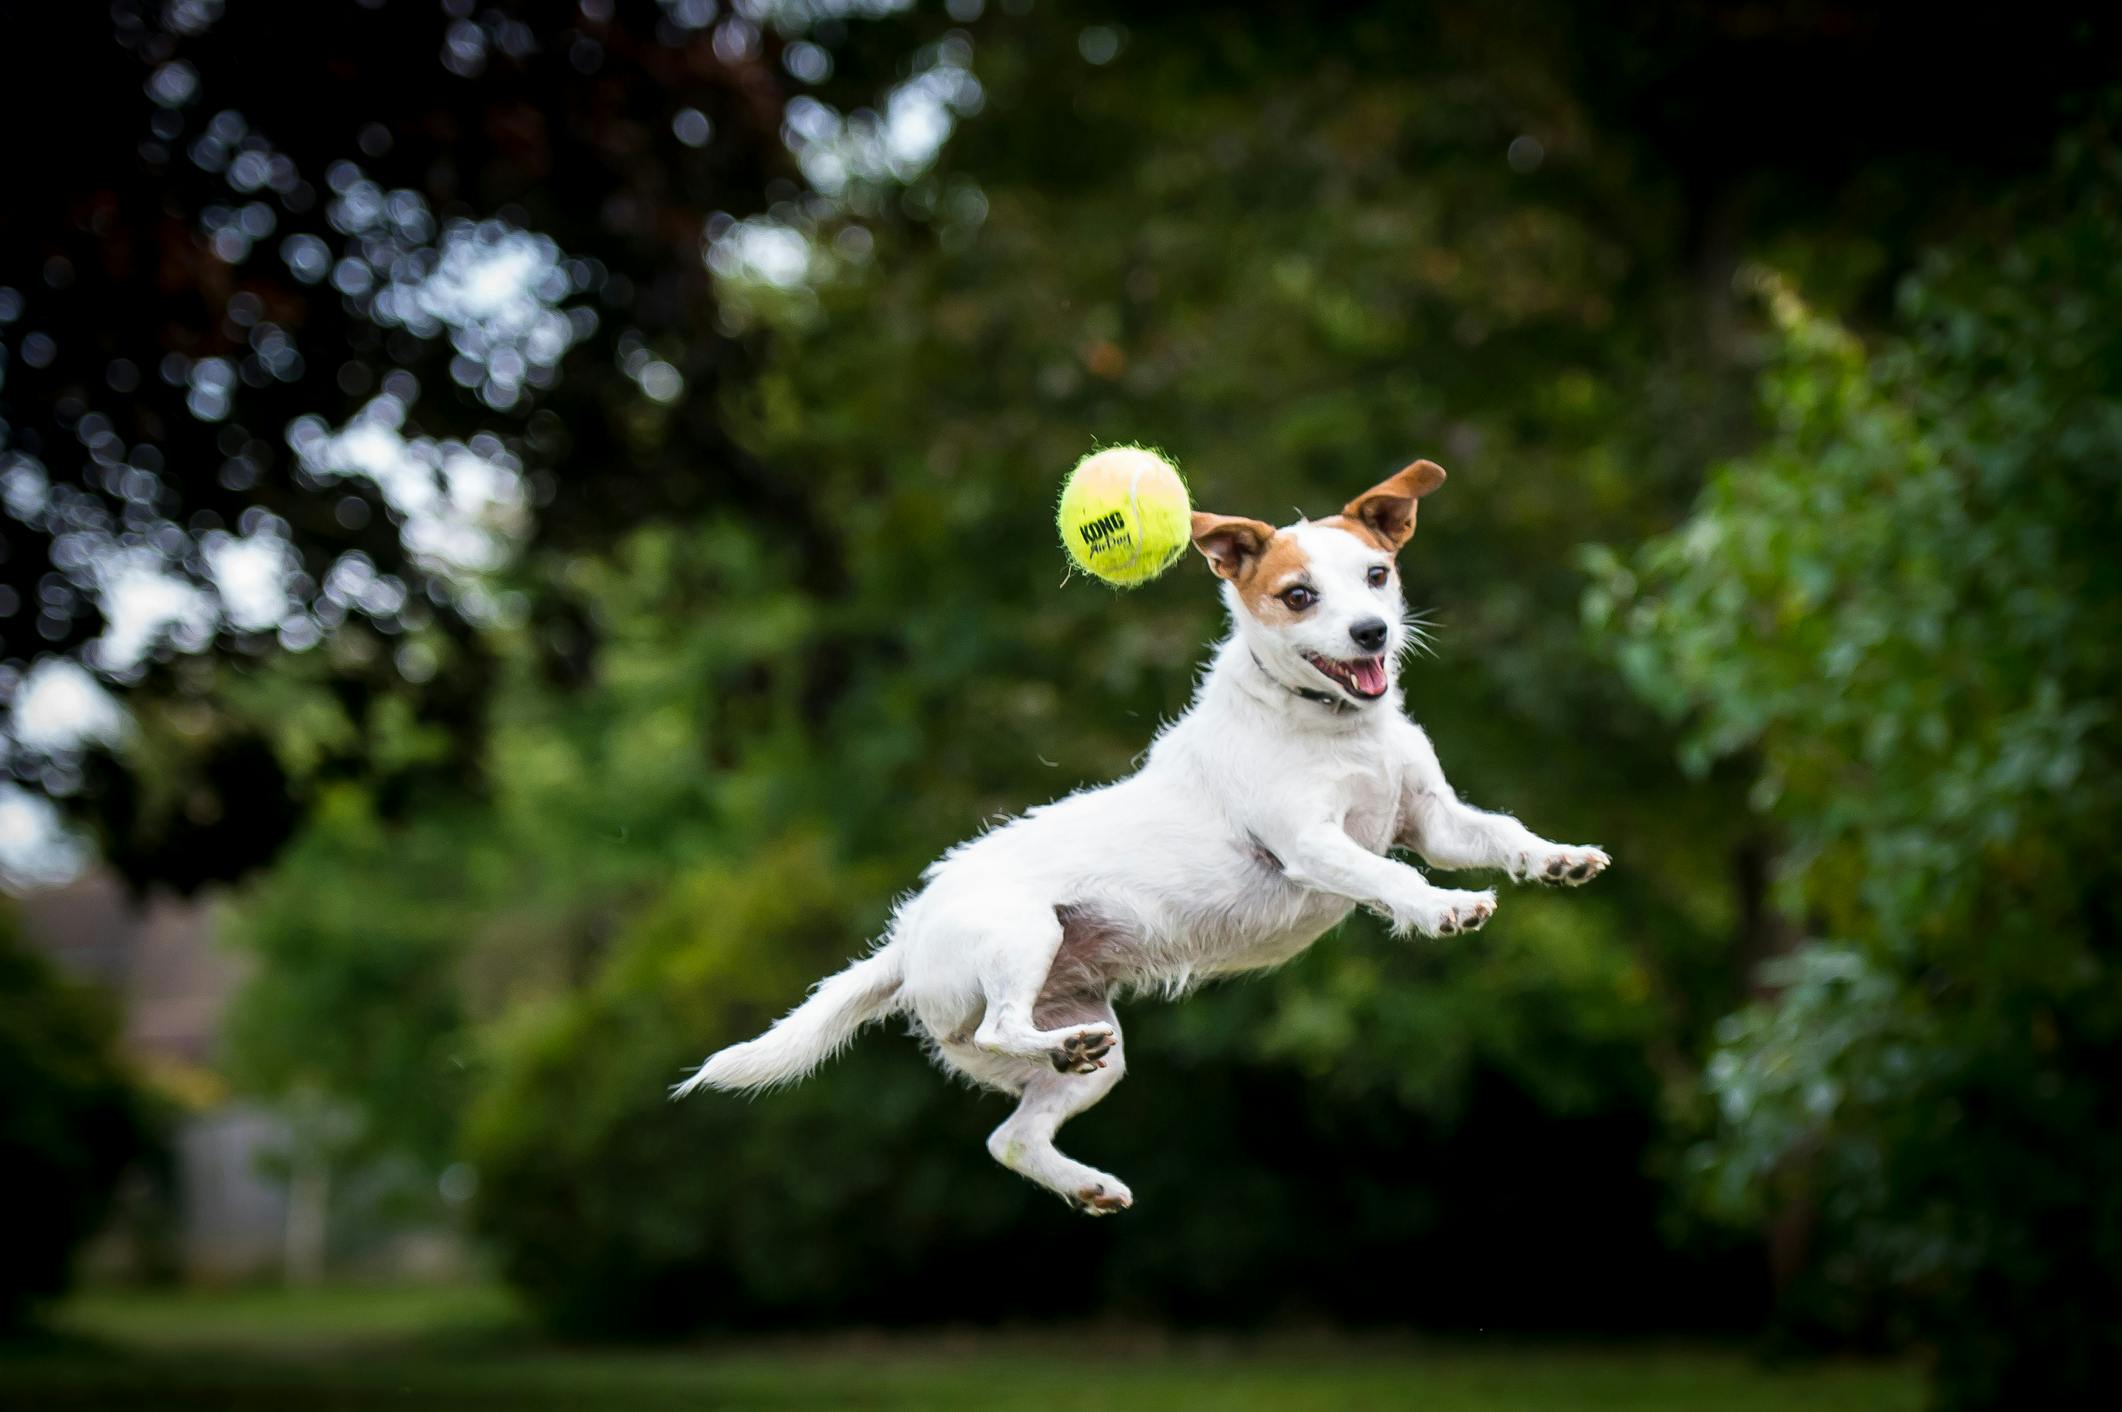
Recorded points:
(1907,608)
(72,1124)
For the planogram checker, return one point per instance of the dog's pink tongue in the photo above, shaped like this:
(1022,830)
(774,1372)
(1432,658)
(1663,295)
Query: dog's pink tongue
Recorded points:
(1370,675)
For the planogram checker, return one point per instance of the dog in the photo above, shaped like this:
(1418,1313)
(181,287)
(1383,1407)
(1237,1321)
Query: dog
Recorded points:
(1259,820)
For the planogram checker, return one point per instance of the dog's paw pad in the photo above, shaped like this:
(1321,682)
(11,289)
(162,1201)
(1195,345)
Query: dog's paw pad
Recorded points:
(1568,867)
(1469,913)
(1101,1200)
(1084,1051)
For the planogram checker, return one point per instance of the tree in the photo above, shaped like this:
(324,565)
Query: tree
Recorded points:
(1905,610)
(313,318)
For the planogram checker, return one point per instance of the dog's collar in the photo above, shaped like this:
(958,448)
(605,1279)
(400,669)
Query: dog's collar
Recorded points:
(1333,703)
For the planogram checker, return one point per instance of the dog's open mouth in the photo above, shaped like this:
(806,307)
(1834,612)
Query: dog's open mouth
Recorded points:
(1363,678)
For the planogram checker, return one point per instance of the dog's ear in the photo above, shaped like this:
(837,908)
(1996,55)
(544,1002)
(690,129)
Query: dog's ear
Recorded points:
(1387,509)
(1229,542)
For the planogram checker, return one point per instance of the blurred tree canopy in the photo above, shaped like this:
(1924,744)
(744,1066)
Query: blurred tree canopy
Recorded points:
(780,615)
(285,375)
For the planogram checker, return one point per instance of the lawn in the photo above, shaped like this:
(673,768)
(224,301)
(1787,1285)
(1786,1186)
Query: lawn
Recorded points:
(427,1350)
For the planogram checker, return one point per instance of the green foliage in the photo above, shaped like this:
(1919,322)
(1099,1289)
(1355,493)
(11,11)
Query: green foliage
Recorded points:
(71,1122)
(385,943)
(1908,608)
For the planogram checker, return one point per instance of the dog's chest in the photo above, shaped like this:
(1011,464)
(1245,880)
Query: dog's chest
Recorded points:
(1264,918)
(1368,796)
(1356,782)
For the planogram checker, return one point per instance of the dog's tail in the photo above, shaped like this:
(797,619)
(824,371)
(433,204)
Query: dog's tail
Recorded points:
(836,1009)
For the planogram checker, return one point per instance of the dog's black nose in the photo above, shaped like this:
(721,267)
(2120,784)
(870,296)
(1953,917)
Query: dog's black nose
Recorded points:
(1369,634)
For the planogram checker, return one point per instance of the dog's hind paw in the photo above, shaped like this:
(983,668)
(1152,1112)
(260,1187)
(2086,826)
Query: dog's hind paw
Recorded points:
(1084,1051)
(1563,867)
(1101,1199)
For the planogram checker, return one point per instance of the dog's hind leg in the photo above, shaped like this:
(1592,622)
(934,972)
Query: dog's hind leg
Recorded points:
(1025,1141)
(1012,950)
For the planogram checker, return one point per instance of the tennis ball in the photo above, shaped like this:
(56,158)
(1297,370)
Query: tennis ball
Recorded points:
(1124,515)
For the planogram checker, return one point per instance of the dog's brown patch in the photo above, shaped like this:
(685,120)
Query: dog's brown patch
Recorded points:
(1279,565)
(1260,559)
(1387,509)
(1232,544)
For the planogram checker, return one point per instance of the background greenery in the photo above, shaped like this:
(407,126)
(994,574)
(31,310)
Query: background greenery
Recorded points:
(1778,386)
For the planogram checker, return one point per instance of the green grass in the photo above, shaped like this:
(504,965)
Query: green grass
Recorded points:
(430,1350)
(272,1320)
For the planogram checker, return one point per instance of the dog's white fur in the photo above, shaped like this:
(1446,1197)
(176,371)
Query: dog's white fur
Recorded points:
(1260,819)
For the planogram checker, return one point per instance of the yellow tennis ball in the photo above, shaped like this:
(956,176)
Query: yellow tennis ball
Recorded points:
(1124,515)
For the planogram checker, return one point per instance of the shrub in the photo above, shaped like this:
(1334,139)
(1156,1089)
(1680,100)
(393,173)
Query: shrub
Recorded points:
(71,1124)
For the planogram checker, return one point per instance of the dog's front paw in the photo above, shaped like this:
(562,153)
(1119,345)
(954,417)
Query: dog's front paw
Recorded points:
(1562,866)
(1446,912)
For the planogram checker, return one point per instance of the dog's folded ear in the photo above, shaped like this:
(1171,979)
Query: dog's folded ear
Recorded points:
(1229,542)
(1387,509)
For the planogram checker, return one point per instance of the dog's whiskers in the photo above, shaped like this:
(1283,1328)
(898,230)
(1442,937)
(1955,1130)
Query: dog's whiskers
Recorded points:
(1419,640)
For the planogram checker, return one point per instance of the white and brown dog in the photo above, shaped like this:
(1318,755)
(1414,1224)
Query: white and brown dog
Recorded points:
(1260,819)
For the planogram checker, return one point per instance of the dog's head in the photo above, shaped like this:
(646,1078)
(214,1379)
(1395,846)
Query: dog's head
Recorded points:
(1318,602)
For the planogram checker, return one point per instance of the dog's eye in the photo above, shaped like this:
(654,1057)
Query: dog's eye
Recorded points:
(1378,575)
(1299,598)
